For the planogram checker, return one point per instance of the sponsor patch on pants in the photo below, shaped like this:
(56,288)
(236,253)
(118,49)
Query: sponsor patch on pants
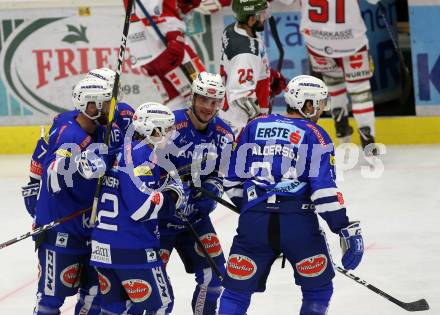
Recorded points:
(104,284)
(70,276)
(137,290)
(312,266)
(241,267)
(211,243)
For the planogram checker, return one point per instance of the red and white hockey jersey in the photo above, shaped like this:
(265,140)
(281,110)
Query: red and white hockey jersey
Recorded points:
(333,28)
(161,61)
(245,67)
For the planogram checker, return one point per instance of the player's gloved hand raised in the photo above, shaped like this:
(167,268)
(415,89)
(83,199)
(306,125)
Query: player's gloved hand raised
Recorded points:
(171,57)
(352,245)
(30,195)
(91,164)
(277,82)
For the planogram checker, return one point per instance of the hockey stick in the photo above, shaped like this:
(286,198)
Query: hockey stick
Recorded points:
(196,237)
(186,68)
(115,92)
(43,228)
(416,306)
(277,40)
(59,221)
(407,87)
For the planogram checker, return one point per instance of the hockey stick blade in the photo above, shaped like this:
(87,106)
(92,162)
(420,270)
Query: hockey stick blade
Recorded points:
(416,306)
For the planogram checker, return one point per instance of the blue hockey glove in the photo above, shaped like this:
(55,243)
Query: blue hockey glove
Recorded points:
(179,194)
(352,245)
(91,165)
(203,203)
(30,195)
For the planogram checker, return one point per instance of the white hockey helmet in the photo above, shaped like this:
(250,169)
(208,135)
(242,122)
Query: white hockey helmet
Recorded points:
(306,88)
(152,116)
(91,90)
(105,74)
(209,85)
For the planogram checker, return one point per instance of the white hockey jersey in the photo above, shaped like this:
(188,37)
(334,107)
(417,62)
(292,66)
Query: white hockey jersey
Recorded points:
(333,28)
(245,66)
(143,41)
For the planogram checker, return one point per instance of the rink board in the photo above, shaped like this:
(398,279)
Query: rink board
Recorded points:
(389,130)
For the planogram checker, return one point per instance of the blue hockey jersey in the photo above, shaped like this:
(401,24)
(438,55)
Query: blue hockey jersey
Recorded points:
(281,158)
(123,118)
(211,149)
(36,166)
(63,189)
(126,234)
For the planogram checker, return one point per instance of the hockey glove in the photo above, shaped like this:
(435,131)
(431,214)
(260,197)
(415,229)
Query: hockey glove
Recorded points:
(30,195)
(179,194)
(187,5)
(205,204)
(91,165)
(277,82)
(248,105)
(170,58)
(352,245)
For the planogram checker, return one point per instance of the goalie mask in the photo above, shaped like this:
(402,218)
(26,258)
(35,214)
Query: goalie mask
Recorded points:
(307,88)
(91,90)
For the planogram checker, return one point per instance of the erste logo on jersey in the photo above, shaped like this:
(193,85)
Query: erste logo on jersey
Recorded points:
(312,266)
(211,243)
(241,267)
(279,131)
(137,290)
(70,276)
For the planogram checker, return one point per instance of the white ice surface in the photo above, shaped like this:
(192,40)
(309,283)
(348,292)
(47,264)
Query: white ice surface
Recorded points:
(400,216)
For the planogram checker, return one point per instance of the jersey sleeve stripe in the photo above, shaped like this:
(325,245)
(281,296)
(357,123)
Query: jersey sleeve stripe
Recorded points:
(148,210)
(324,192)
(324,200)
(328,207)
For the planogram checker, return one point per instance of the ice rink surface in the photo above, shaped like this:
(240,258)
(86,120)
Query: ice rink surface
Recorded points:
(399,213)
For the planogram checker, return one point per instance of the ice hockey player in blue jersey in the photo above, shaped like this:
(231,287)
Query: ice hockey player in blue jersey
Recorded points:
(69,178)
(123,117)
(125,241)
(31,190)
(281,176)
(124,112)
(202,136)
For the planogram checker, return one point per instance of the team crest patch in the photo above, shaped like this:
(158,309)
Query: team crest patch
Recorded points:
(71,276)
(312,266)
(241,267)
(211,243)
(104,284)
(137,290)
